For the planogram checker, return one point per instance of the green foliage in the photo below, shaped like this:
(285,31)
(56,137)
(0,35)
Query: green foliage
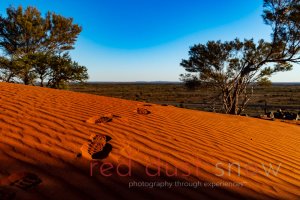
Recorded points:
(191,81)
(63,70)
(24,31)
(32,44)
(264,82)
(284,18)
(232,66)
(8,69)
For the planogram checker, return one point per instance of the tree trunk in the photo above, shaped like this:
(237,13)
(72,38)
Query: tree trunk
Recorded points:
(9,77)
(235,105)
(42,82)
(26,80)
(236,94)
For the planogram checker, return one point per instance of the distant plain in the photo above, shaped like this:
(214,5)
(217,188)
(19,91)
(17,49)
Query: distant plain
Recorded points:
(285,96)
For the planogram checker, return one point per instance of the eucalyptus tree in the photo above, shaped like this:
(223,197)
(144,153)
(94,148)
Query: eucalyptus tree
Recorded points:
(231,67)
(29,40)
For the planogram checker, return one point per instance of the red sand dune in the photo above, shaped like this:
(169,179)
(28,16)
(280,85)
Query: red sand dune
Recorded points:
(42,132)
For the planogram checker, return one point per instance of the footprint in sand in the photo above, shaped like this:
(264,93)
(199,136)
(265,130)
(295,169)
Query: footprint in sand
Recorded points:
(142,111)
(21,180)
(24,180)
(101,119)
(97,147)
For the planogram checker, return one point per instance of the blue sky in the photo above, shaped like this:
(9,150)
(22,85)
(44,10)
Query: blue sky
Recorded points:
(145,40)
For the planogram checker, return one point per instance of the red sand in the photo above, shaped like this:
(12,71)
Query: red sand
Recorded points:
(42,132)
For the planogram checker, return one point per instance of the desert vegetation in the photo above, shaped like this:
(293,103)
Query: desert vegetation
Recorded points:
(234,68)
(265,98)
(35,49)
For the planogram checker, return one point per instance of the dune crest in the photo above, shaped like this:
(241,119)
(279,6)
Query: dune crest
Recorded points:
(43,130)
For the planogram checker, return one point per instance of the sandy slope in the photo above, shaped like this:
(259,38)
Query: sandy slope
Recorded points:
(43,130)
